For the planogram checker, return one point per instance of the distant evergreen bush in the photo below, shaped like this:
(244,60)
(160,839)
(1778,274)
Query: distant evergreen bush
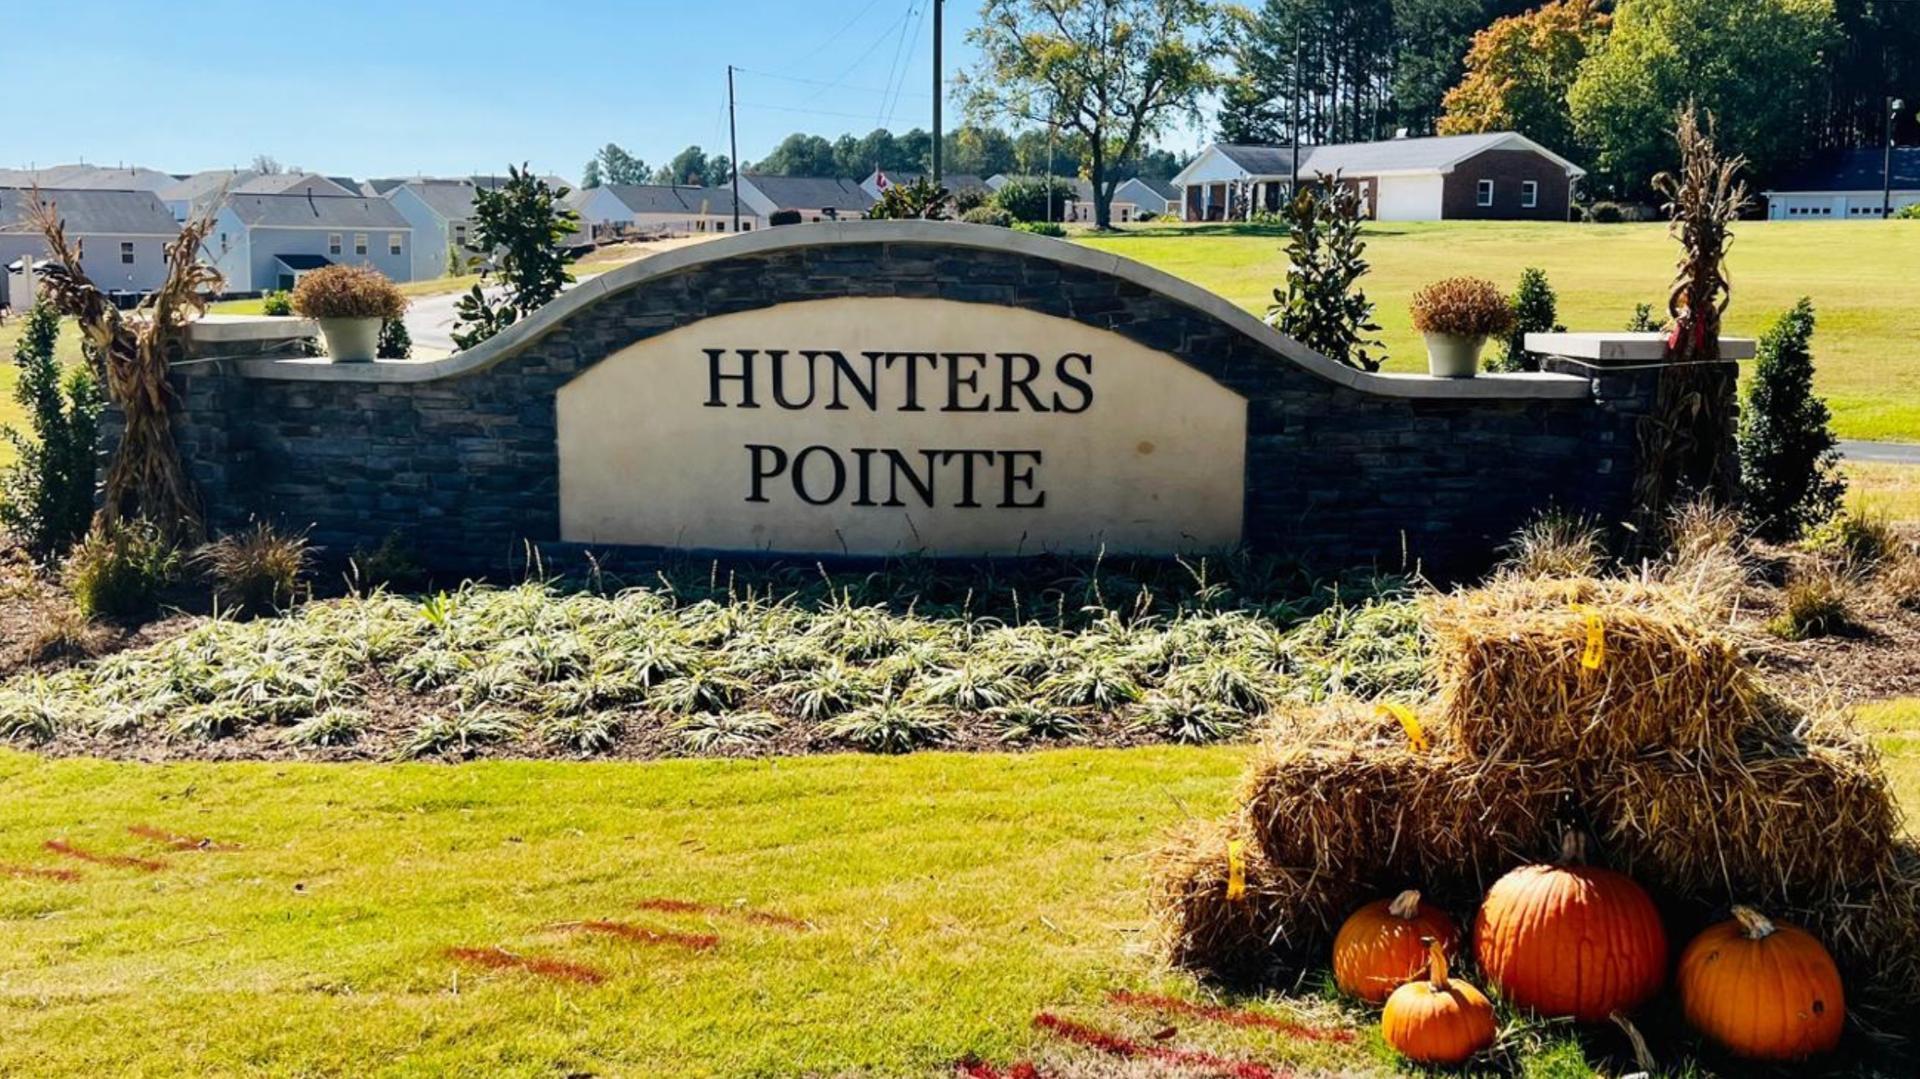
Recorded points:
(1535,310)
(46,494)
(395,342)
(1789,463)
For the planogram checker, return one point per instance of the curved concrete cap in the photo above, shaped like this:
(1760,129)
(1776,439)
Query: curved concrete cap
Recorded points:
(932,233)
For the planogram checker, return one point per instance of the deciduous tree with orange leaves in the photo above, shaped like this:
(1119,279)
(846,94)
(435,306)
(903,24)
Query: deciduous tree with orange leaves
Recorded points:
(1519,71)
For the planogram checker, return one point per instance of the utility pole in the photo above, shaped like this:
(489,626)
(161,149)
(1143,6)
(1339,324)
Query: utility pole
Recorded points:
(1886,175)
(1293,184)
(938,5)
(733,149)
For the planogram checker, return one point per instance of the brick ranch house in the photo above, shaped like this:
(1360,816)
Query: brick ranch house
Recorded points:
(1499,175)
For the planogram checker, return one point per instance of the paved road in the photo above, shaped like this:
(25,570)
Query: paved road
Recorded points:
(429,319)
(1901,453)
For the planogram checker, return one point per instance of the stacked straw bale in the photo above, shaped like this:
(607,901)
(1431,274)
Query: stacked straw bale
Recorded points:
(1669,748)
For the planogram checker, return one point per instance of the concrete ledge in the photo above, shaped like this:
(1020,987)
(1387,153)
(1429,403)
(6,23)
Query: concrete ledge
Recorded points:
(223,329)
(932,233)
(1623,347)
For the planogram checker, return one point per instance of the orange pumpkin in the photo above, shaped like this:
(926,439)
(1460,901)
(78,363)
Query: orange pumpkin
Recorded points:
(1761,990)
(1571,939)
(1380,947)
(1435,1020)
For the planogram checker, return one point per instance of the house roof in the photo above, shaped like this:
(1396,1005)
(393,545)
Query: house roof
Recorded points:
(91,213)
(811,193)
(206,184)
(451,199)
(1162,188)
(295,183)
(316,211)
(1855,170)
(499,179)
(666,198)
(87,178)
(954,182)
(1423,155)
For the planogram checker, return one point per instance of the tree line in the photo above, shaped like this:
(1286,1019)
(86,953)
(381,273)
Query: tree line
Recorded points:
(973,149)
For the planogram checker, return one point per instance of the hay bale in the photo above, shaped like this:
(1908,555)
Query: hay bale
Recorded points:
(1349,797)
(1757,827)
(1286,918)
(1520,679)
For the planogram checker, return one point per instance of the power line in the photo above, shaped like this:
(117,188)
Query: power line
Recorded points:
(906,28)
(819,82)
(835,36)
(860,59)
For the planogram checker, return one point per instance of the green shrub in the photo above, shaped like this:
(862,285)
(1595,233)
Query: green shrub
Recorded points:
(1642,320)
(393,564)
(121,569)
(1556,543)
(891,726)
(1034,198)
(46,494)
(1605,213)
(278,303)
(258,570)
(1042,228)
(921,200)
(1790,477)
(395,342)
(988,215)
(1862,536)
(1322,305)
(1535,310)
(1909,212)
(970,199)
(784,217)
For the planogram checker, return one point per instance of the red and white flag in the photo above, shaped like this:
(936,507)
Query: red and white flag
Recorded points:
(880,181)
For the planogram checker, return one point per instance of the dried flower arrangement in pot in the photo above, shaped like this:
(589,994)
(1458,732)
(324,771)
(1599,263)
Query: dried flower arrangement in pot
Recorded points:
(350,303)
(1457,316)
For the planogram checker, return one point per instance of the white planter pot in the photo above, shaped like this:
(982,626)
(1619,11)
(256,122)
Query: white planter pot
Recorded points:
(1449,356)
(351,340)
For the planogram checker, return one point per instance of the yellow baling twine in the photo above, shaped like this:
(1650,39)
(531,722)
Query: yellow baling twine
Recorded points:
(1596,651)
(1408,722)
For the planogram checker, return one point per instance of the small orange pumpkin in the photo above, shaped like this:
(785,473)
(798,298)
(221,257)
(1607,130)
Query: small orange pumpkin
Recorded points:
(1380,947)
(1435,1020)
(1571,939)
(1762,991)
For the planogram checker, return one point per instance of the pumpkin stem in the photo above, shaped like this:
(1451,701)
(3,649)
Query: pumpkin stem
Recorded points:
(1573,847)
(1754,924)
(1406,905)
(1436,965)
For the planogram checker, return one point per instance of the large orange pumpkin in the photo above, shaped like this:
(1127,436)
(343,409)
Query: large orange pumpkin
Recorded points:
(1761,990)
(1436,1020)
(1571,939)
(1381,946)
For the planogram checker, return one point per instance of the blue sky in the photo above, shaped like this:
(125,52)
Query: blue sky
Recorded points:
(395,88)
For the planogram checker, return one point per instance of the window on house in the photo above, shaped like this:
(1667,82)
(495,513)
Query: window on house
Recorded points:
(126,252)
(359,243)
(393,243)
(719,226)
(333,243)
(460,235)
(223,243)
(746,226)
(1529,194)
(1485,193)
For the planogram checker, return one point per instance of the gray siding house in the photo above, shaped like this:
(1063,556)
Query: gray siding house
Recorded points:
(263,242)
(441,214)
(122,234)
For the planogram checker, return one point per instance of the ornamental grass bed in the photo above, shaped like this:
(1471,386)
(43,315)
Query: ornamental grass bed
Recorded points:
(1651,733)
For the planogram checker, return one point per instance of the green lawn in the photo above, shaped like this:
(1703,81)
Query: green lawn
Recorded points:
(1860,275)
(68,351)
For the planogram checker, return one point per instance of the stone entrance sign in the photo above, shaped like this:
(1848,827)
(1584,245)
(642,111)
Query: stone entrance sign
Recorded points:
(880,388)
(882,426)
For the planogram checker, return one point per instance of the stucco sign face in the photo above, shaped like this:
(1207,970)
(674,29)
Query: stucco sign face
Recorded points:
(893,426)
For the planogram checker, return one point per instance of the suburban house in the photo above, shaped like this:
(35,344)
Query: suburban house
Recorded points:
(263,242)
(815,199)
(201,189)
(1847,185)
(956,183)
(1158,197)
(122,236)
(615,210)
(1498,175)
(441,214)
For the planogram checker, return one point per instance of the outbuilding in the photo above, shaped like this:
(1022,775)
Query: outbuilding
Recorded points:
(1848,185)
(1500,175)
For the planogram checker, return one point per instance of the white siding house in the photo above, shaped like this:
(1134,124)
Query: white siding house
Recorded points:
(616,210)
(122,235)
(813,198)
(1848,185)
